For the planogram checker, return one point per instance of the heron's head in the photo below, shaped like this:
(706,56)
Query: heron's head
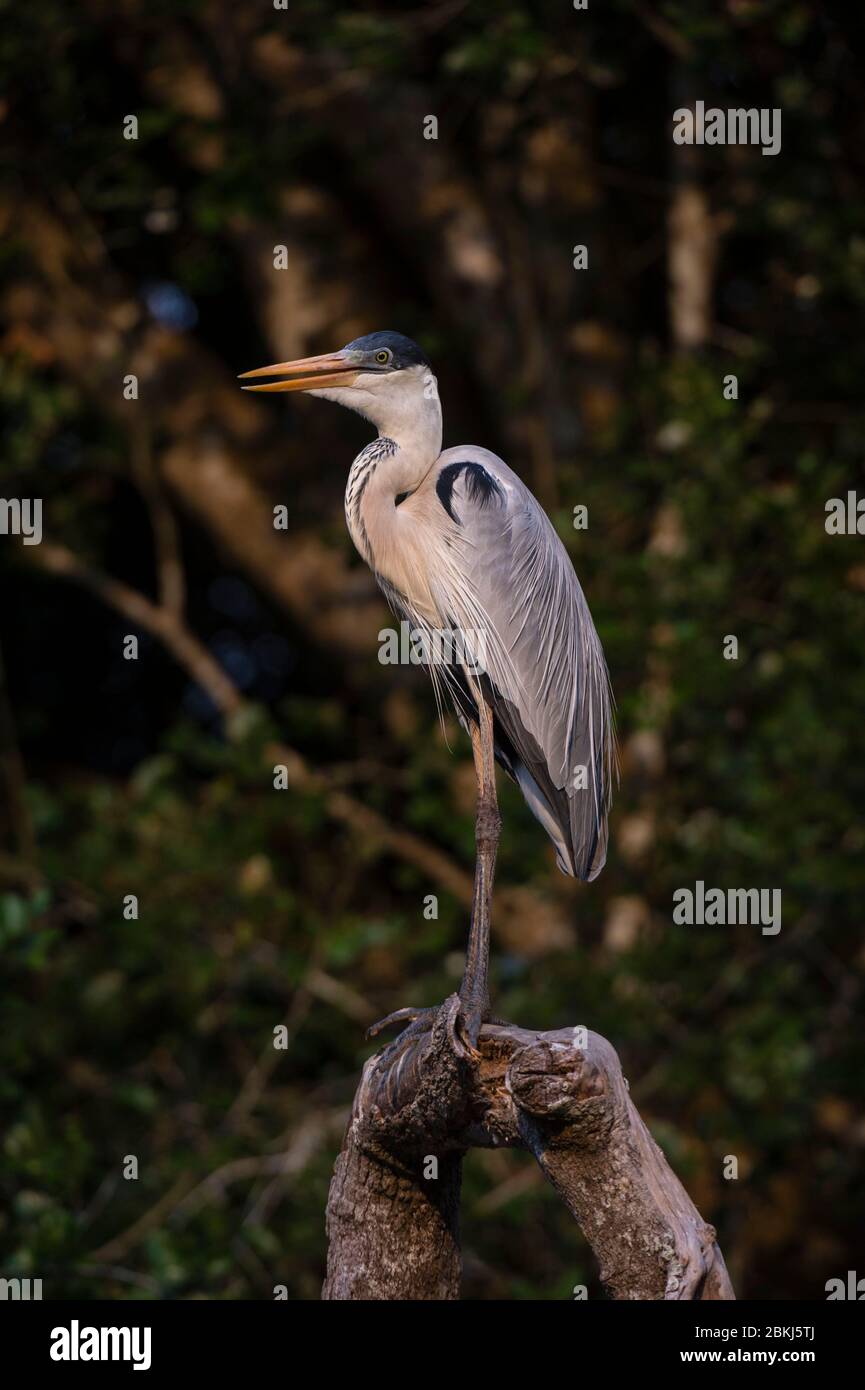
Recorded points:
(384,376)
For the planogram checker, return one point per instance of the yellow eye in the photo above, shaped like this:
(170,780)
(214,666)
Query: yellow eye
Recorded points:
(382,356)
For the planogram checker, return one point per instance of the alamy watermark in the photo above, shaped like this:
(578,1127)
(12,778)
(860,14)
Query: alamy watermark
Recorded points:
(433,647)
(20,1290)
(739,126)
(845,516)
(22,516)
(701,906)
(852,1288)
(77,1343)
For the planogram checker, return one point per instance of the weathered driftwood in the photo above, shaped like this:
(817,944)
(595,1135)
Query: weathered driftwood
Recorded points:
(394,1232)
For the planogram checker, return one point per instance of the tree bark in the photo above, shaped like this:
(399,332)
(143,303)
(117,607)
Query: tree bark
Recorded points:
(392,1216)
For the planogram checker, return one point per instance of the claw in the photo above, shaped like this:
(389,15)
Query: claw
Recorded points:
(398,1016)
(409,1015)
(470,1052)
(423,1019)
(458,1036)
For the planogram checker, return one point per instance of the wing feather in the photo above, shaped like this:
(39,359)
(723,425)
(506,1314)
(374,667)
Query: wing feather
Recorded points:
(508,576)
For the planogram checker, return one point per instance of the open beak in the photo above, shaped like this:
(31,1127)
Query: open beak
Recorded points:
(306,373)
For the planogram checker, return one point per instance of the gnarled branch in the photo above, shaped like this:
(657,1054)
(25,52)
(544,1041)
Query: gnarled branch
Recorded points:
(392,1227)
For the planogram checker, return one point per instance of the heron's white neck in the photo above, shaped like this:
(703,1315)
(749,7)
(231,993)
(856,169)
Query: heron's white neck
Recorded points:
(405,407)
(393,466)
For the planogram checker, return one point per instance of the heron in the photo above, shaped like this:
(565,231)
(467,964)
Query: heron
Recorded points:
(460,546)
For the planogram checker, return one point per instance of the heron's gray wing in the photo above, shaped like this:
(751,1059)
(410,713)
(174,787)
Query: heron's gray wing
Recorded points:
(543,657)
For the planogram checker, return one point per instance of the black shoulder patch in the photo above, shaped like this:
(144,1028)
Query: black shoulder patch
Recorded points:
(481,486)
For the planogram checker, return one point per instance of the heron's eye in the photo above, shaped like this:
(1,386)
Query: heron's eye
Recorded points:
(383,356)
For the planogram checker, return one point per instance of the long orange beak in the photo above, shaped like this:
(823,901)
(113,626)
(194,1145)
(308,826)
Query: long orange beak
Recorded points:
(306,373)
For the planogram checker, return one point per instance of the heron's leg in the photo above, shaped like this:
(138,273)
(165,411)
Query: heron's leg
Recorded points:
(474,990)
(474,998)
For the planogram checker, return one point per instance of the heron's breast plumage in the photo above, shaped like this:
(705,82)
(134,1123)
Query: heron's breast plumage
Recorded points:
(392,520)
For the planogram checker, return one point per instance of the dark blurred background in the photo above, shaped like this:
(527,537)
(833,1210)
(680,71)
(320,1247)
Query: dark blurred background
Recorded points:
(304,128)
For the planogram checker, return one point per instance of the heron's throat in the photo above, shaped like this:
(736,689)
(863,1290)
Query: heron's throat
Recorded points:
(409,413)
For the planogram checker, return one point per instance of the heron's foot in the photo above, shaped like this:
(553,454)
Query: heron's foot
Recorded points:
(461,1030)
(424,1017)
